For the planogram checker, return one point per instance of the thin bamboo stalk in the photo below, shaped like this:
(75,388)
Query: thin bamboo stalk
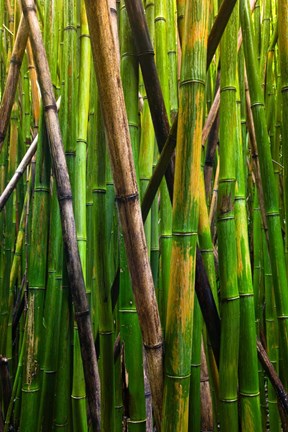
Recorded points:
(230,308)
(12,78)
(67,217)
(113,109)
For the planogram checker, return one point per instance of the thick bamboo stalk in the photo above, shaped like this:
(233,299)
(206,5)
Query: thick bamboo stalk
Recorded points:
(115,120)
(74,270)
(179,320)
(12,78)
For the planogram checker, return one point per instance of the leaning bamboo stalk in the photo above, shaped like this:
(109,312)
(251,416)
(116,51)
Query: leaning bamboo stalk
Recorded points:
(12,78)
(20,169)
(73,263)
(116,124)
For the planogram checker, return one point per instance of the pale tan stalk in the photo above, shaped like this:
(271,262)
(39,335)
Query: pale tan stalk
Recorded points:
(117,133)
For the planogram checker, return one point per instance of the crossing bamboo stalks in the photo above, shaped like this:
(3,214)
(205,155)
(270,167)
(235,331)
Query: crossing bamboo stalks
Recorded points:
(67,217)
(115,120)
(12,78)
(20,169)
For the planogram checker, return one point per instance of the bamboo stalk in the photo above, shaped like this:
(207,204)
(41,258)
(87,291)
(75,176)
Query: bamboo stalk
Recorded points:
(179,320)
(20,169)
(67,217)
(113,109)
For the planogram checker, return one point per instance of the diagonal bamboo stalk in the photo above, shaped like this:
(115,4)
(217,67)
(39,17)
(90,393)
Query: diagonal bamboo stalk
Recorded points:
(12,78)
(116,125)
(20,169)
(74,270)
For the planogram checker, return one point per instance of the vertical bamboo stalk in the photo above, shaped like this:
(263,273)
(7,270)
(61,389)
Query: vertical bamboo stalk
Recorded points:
(185,218)
(230,316)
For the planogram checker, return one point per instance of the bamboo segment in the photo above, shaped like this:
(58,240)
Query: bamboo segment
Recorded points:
(115,120)
(185,219)
(67,218)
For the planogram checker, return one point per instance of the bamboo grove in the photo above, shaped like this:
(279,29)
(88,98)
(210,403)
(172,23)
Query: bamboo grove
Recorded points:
(143,209)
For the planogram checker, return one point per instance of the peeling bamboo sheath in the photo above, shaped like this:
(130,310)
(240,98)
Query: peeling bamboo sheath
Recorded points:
(12,78)
(76,281)
(115,120)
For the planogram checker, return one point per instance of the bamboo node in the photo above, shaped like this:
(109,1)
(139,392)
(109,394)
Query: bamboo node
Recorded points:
(82,313)
(52,107)
(186,234)
(65,197)
(255,104)
(229,400)
(99,190)
(228,88)
(176,377)
(193,81)
(136,421)
(153,347)
(284,89)
(122,199)
(27,9)
(146,52)
(249,394)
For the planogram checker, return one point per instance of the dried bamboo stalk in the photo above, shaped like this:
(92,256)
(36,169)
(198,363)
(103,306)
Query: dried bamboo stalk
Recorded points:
(117,133)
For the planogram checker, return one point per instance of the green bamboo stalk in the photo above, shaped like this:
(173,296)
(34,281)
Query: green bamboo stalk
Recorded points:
(129,324)
(165,241)
(272,340)
(230,313)
(248,377)
(194,394)
(37,286)
(78,388)
(269,188)
(265,40)
(185,219)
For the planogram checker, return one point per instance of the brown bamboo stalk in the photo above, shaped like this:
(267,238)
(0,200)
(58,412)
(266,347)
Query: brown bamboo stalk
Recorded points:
(12,78)
(117,133)
(74,270)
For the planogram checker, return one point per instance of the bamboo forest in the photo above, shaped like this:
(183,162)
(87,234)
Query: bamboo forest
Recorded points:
(143,210)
